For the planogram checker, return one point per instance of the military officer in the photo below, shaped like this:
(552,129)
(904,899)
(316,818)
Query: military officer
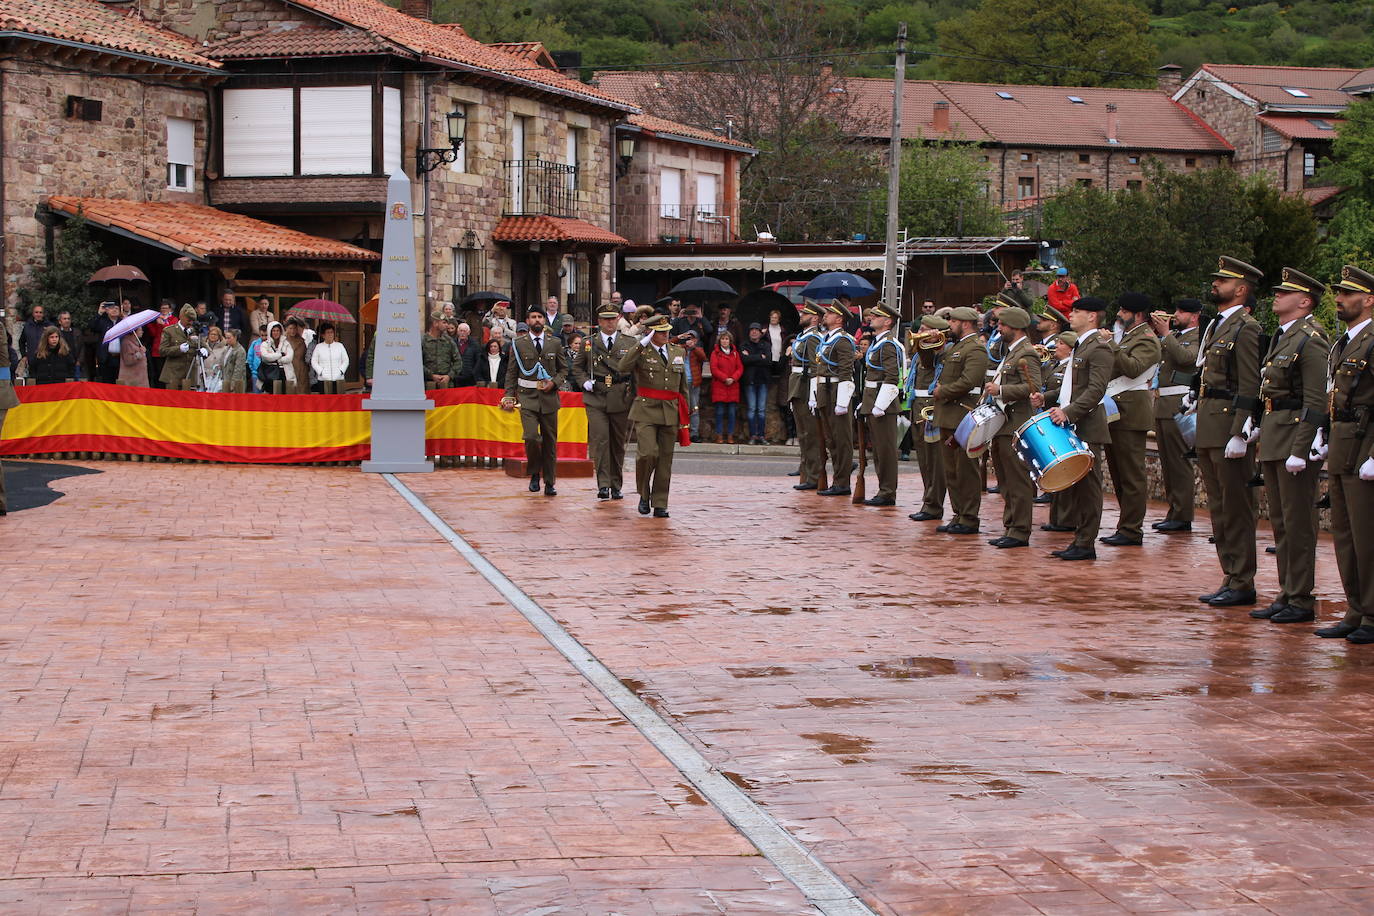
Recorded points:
(179,346)
(1080,405)
(1350,469)
(660,410)
(538,367)
(1178,340)
(1064,344)
(960,389)
(884,369)
(7,400)
(439,357)
(924,373)
(1017,378)
(607,393)
(832,388)
(799,394)
(1136,365)
(1293,395)
(1228,399)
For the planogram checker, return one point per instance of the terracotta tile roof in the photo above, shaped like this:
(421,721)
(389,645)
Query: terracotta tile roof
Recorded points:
(675,130)
(1317,196)
(91,22)
(205,232)
(1266,84)
(1298,127)
(553,229)
(532,51)
(305,42)
(448,43)
(872,99)
(1362,81)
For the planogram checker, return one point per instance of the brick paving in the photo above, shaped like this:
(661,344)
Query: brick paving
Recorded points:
(957,729)
(277,690)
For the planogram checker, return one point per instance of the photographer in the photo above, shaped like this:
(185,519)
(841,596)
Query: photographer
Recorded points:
(179,346)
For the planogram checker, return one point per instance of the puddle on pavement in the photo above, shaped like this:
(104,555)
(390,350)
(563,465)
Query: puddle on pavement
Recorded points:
(833,702)
(931,666)
(759,672)
(848,748)
(690,795)
(738,780)
(781,611)
(957,775)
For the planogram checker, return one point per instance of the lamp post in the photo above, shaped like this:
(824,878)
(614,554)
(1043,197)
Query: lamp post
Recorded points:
(427,159)
(626,148)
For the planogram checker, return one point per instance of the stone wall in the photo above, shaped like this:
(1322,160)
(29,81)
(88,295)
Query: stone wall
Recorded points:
(222,19)
(638,213)
(1055,170)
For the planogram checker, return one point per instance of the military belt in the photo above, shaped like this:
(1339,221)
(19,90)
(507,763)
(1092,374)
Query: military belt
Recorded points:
(1218,394)
(1273,404)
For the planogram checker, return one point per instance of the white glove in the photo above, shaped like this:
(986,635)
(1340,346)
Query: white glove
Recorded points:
(1295,465)
(1236,447)
(1319,449)
(1250,431)
(811,405)
(879,412)
(204,352)
(647,339)
(1188,403)
(185,348)
(841,409)
(587,385)
(1367,469)
(887,393)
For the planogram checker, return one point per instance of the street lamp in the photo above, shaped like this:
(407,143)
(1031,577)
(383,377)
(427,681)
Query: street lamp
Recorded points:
(429,159)
(626,148)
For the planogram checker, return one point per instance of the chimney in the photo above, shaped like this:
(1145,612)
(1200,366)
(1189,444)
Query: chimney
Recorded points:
(1111,123)
(1169,78)
(940,118)
(420,9)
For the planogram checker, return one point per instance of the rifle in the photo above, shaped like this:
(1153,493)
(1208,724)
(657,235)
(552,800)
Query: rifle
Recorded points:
(862,445)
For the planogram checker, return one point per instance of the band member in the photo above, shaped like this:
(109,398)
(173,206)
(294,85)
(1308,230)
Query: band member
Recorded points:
(1178,340)
(1080,406)
(832,388)
(1057,365)
(1228,399)
(1293,395)
(924,374)
(799,392)
(1350,469)
(1017,378)
(538,366)
(179,345)
(1136,365)
(607,394)
(662,417)
(884,368)
(960,388)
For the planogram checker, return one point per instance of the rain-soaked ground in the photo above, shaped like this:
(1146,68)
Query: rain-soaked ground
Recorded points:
(279,688)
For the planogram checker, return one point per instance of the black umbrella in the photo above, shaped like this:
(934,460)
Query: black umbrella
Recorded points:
(755,306)
(484,296)
(703,288)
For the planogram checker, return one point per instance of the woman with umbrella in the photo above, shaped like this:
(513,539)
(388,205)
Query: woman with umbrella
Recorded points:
(133,361)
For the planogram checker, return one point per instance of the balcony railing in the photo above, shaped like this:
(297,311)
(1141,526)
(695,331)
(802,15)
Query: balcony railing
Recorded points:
(536,187)
(665,224)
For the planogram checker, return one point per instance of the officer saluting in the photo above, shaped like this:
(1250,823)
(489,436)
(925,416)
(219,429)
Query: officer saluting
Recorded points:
(1350,471)
(660,410)
(799,395)
(832,387)
(538,366)
(960,388)
(607,394)
(885,365)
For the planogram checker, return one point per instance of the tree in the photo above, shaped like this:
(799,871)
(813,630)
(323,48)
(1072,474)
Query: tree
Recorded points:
(61,285)
(505,22)
(1287,230)
(1352,153)
(942,193)
(1050,42)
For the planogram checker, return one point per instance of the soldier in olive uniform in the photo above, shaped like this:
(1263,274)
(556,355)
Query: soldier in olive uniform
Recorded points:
(924,371)
(1017,378)
(1062,355)
(439,358)
(1136,365)
(538,367)
(832,389)
(660,411)
(7,400)
(799,395)
(1178,340)
(884,365)
(1228,399)
(179,346)
(1293,392)
(960,389)
(1350,471)
(607,393)
(1080,405)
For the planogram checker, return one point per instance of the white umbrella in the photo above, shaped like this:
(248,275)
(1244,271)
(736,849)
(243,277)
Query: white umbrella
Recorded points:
(132,323)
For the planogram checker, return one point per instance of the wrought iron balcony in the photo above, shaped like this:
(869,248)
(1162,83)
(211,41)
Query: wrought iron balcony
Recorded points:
(665,224)
(536,187)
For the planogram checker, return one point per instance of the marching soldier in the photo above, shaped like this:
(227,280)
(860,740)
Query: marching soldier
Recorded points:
(885,365)
(1136,365)
(1293,392)
(660,410)
(179,346)
(1062,354)
(832,387)
(799,393)
(1080,406)
(1228,399)
(961,386)
(538,367)
(607,394)
(1177,369)
(1350,471)
(926,365)
(1017,378)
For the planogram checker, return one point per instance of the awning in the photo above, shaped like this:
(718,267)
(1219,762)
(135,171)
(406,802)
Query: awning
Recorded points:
(555,229)
(767,263)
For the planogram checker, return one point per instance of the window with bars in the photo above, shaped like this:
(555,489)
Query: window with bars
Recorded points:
(468,266)
(1271,141)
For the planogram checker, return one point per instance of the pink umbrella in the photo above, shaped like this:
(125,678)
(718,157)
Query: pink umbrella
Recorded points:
(132,323)
(321,309)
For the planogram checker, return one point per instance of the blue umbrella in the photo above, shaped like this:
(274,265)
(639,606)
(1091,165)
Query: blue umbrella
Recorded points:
(837,283)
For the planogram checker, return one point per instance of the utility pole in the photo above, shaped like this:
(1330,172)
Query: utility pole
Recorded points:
(894,175)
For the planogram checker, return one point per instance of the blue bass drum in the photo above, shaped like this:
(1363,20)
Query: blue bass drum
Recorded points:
(1057,458)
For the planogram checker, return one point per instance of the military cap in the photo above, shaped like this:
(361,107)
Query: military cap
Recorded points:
(812,307)
(1139,303)
(521,326)
(1013,316)
(1235,269)
(187,312)
(885,310)
(1013,298)
(607,311)
(965,313)
(945,311)
(835,308)
(1188,305)
(1355,280)
(1295,281)
(935,322)
(1089,304)
(536,310)
(665,301)
(658,323)
(1067,337)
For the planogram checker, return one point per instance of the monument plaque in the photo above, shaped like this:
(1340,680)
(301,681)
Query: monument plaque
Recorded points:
(398,401)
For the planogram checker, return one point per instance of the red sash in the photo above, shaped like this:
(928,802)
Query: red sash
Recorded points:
(684,413)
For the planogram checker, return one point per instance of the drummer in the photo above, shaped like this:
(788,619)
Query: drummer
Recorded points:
(1016,379)
(1136,365)
(1058,363)
(960,389)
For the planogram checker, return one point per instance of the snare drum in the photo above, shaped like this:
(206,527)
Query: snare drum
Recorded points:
(976,431)
(1057,458)
(1187,427)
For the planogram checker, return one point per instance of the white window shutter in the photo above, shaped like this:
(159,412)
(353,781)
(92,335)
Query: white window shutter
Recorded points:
(336,130)
(391,130)
(258,126)
(670,193)
(181,141)
(706,195)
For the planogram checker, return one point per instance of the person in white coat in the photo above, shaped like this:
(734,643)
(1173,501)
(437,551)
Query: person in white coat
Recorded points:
(329,360)
(276,371)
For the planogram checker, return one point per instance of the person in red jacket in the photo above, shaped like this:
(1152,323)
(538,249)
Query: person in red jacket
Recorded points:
(726,369)
(153,339)
(1063,292)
